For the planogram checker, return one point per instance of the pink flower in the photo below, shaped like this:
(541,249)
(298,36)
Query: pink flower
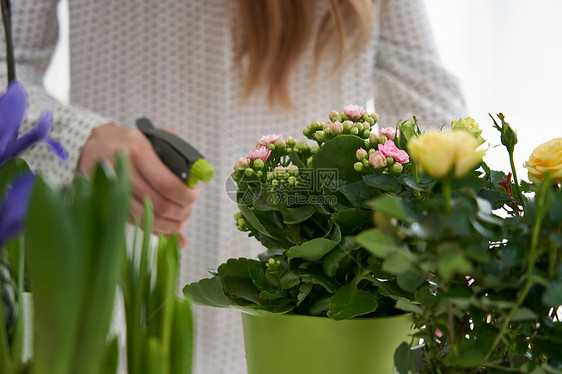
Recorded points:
(377,159)
(389,132)
(242,163)
(389,149)
(354,111)
(262,153)
(265,141)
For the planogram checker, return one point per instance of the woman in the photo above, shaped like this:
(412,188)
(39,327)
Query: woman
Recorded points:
(221,74)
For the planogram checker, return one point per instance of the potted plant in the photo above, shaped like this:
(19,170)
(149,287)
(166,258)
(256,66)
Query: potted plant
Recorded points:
(490,247)
(306,205)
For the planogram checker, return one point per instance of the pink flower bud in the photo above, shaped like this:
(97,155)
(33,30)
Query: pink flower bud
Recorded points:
(262,153)
(354,112)
(336,128)
(361,154)
(389,149)
(377,160)
(389,132)
(242,163)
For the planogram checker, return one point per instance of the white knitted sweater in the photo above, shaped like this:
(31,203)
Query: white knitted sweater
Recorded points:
(172,61)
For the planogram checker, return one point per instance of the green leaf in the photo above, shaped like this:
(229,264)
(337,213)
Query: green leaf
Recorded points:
(254,221)
(404,360)
(453,262)
(331,261)
(304,291)
(408,306)
(352,220)
(313,250)
(394,207)
(383,182)
(241,288)
(317,277)
(264,310)
(410,281)
(9,170)
(236,267)
(409,181)
(293,216)
(552,297)
(357,193)
(349,302)
(378,243)
(181,345)
(523,314)
(208,292)
(344,146)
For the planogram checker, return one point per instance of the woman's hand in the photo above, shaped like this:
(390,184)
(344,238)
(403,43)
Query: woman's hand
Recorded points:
(172,199)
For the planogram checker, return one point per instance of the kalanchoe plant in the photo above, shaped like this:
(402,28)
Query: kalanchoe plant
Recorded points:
(306,204)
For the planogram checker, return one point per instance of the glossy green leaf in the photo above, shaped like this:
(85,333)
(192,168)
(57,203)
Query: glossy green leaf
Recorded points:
(315,249)
(350,302)
(394,207)
(293,216)
(404,360)
(378,243)
(208,292)
(383,182)
(331,262)
(344,146)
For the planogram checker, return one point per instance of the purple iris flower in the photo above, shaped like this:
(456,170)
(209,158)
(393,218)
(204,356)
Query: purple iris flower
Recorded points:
(14,201)
(13,207)
(13,104)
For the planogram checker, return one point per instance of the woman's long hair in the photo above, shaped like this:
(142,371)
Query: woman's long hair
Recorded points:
(271,36)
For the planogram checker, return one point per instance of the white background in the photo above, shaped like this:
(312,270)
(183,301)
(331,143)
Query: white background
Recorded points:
(507,54)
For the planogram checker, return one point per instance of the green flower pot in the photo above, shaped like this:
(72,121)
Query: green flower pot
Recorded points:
(295,344)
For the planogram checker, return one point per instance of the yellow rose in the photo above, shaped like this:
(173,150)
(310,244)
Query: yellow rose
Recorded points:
(437,152)
(469,124)
(545,158)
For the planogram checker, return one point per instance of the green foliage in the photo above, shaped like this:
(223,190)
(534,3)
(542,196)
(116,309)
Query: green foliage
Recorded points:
(159,324)
(75,247)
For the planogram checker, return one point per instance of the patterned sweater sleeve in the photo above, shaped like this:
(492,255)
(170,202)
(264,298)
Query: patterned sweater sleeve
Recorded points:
(409,77)
(35,34)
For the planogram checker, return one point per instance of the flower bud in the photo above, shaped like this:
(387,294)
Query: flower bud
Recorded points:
(366,163)
(390,161)
(291,142)
(377,160)
(315,148)
(280,144)
(336,128)
(375,117)
(292,181)
(320,136)
(389,132)
(258,164)
(248,172)
(382,139)
(361,154)
(371,151)
(238,215)
(355,112)
(354,131)
(293,170)
(374,139)
(275,183)
(270,175)
(279,172)
(396,168)
(347,126)
(370,120)
(469,125)
(358,166)
(366,134)
(368,143)
(242,163)
(306,132)
(333,115)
